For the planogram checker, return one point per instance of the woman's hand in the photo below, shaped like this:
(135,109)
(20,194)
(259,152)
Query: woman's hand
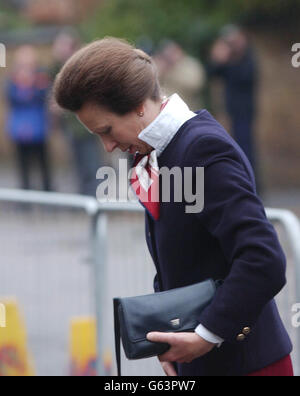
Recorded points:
(168,369)
(185,347)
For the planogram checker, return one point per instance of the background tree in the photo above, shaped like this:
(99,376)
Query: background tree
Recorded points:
(192,23)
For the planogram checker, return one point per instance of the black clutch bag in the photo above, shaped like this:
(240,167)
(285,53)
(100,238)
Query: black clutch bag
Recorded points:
(175,310)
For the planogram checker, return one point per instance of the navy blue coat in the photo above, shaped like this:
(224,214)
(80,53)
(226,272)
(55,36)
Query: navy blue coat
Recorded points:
(230,239)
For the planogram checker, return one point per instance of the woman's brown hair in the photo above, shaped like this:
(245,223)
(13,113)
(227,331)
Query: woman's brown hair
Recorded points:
(109,72)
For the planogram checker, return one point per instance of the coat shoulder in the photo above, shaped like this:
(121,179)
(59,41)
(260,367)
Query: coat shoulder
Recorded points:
(205,127)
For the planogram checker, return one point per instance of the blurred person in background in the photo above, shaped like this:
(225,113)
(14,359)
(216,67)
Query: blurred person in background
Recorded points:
(85,148)
(233,60)
(27,122)
(181,73)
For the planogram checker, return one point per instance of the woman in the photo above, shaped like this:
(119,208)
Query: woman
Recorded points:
(114,90)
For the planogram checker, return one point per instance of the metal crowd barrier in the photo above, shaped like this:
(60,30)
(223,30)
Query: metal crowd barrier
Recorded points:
(99,242)
(290,222)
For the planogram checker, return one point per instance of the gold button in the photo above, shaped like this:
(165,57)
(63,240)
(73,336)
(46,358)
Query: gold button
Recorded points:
(241,337)
(247,330)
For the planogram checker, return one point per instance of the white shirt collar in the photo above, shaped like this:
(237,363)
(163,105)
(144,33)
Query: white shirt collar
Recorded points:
(165,126)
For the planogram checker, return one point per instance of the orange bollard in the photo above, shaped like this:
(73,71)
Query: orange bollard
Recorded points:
(83,347)
(15,360)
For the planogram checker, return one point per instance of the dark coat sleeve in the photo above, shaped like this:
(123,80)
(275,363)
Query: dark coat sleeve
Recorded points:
(235,216)
(156,284)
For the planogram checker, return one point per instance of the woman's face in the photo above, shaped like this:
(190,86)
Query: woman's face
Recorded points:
(117,131)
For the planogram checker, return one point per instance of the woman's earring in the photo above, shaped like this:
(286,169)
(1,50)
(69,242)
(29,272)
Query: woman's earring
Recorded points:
(141,114)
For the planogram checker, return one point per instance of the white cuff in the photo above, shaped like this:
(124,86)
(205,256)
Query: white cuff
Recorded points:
(209,336)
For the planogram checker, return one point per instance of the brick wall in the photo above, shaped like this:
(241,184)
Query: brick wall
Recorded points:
(58,11)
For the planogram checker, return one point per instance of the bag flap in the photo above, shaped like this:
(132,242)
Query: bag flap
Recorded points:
(175,310)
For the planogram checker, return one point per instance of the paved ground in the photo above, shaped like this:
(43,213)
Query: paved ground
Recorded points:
(45,263)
